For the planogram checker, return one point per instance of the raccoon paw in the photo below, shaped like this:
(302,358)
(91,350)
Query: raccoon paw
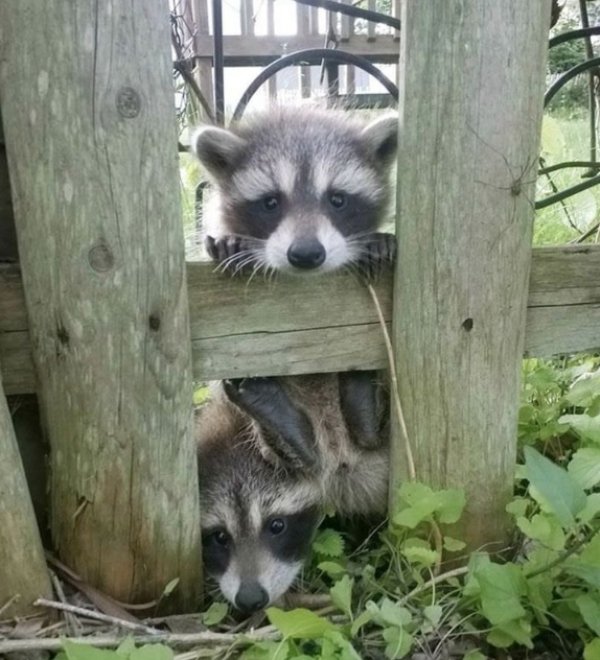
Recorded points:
(228,250)
(245,392)
(378,251)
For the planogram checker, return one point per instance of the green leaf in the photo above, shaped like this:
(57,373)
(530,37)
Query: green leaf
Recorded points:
(329,543)
(418,502)
(559,490)
(451,504)
(453,545)
(433,614)
(518,506)
(544,528)
(170,587)
(584,467)
(399,643)
(361,620)
(215,614)
(592,650)
(152,652)
(126,647)
(584,391)
(585,426)
(502,587)
(475,654)
(591,509)
(422,556)
(75,651)
(299,623)
(589,606)
(332,568)
(341,595)
(267,651)
(393,614)
(518,631)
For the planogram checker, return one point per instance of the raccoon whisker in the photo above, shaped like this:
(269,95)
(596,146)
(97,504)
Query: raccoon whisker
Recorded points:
(249,260)
(260,263)
(229,261)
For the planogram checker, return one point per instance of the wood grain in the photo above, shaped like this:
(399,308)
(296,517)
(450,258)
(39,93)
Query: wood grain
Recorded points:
(471,80)
(91,144)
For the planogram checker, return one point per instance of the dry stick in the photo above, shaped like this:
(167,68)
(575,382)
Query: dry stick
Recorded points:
(390,354)
(73,625)
(9,602)
(90,614)
(113,641)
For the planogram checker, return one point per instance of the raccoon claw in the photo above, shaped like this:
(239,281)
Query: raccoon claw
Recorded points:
(288,431)
(227,250)
(379,250)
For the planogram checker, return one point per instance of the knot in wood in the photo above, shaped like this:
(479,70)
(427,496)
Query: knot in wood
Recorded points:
(101,258)
(129,102)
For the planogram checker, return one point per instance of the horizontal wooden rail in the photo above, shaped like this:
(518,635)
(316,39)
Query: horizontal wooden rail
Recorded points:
(294,325)
(261,50)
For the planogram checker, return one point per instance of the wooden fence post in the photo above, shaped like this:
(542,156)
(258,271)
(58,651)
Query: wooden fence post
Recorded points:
(87,103)
(471,85)
(23,570)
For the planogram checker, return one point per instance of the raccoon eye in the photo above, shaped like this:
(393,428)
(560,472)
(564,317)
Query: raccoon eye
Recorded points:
(220,537)
(276,526)
(338,200)
(270,203)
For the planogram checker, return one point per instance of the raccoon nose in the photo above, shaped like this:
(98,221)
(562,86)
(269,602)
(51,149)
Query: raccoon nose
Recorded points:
(251,597)
(306,253)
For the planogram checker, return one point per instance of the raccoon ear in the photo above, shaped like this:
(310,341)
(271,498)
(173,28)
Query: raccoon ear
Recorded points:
(217,149)
(381,137)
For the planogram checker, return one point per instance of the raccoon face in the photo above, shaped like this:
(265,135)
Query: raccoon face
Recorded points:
(305,186)
(257,525)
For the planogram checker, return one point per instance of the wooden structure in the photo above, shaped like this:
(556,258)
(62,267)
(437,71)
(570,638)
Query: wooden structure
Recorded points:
(96,318)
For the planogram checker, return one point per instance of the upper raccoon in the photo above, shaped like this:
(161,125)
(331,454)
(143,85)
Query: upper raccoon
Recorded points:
(274,454)
(298,189)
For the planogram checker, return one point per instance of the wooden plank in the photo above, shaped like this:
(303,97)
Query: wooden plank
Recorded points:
(292,326)
(23,572)
(261,50)
(96,188)
(465,244)
(8,237)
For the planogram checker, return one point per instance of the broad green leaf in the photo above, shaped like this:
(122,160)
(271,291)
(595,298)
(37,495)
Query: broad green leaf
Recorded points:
(344,648)
(567,615)
(518,506)
(393,614)
(433,614)
(267,651)
(341,595)
(329,543)
(126,647)
(451,504)
(475,654)
(215,614)
(589,606)
(592,650)
(75,651)
(585,426)
(152,652)
(539,591)
(422,556)
(299,623)
(587,564)
(453,545)
(543,528)
(518,631)
(584,391)
(399,643)
(591,509)
(560,491)
(502,586)
(584,467)
(332,568)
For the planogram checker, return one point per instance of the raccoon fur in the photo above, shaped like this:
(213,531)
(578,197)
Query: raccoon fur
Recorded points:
(274,455)
(298,189)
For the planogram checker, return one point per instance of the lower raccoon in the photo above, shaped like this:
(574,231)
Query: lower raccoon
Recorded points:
(274,455)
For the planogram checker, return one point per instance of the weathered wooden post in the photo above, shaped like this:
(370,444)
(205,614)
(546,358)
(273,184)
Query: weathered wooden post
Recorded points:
(89,123)
(23,573)
(471,84)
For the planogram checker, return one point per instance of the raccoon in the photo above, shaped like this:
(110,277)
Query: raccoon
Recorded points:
(298,189)
(274,456)
(303,191)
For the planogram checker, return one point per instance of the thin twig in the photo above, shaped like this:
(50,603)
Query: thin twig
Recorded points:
(73,625)
(91,614)
(112,641)
(9,602)
(455,572)
(390,354)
